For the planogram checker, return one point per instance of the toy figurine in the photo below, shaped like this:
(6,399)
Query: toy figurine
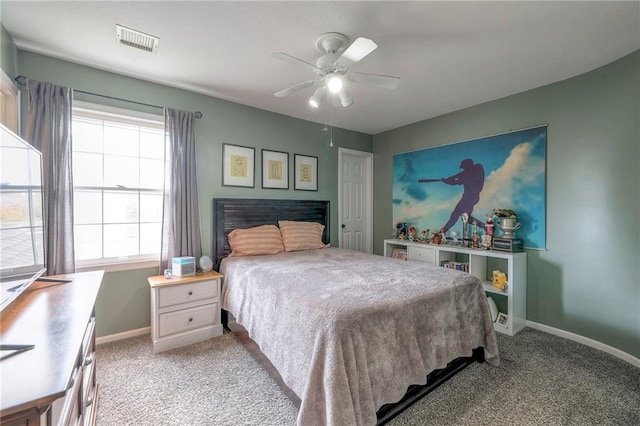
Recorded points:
(412,233)
(454,237)
(489,226)
(499,280)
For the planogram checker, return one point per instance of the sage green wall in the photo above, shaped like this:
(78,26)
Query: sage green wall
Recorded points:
(8,53)
(588,280)
(123,300)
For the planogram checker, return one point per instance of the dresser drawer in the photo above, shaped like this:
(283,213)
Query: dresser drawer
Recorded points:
(175,295)
(423,254)
(187,319)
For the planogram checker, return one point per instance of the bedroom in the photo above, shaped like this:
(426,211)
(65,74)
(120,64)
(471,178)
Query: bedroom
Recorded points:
(591,167)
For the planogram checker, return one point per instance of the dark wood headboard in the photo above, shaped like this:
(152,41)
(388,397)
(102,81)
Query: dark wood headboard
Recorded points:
(233,213)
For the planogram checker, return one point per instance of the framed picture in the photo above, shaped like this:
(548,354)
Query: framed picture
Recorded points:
(238,165)
(306,172)
(502,319)
(275,169)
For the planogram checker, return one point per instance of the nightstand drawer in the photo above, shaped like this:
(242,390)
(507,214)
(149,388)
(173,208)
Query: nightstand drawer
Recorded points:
(187,319)
(175,295)
(423,254)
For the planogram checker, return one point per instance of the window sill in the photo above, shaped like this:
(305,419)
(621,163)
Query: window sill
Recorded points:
(119,266)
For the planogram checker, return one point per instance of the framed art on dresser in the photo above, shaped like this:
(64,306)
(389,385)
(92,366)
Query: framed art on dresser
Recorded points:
(306,172)
(275,169)
(238,165)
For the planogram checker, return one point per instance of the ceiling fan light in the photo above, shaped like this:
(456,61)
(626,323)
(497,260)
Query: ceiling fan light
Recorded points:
(345,98)
(334,82)
(317,97)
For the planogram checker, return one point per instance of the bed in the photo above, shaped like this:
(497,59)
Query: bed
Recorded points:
(352,338)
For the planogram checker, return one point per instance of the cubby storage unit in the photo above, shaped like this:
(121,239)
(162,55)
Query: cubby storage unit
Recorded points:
(481,263)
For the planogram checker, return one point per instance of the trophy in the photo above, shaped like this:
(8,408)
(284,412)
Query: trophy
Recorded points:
(508,241)
(465,229)
(508,225)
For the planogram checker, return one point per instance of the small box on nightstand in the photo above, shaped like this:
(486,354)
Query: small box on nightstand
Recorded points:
(183,266)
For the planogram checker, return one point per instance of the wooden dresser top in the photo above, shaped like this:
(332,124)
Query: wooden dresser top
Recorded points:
(54,318)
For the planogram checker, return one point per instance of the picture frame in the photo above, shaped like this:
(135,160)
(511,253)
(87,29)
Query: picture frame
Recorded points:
(502,319)
(398,253)
(238,165)
(306,172)
(275,169)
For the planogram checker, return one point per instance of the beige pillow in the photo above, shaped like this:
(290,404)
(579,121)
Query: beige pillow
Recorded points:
(259,240)
(298,236)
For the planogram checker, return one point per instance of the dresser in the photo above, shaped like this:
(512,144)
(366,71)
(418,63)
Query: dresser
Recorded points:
(55,382)
(184,310)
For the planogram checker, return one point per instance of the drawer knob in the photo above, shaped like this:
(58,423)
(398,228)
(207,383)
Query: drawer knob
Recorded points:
(88,360)
(190,319)
(190,293)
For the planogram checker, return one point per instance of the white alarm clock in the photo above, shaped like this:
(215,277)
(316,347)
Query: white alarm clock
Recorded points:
(206,264)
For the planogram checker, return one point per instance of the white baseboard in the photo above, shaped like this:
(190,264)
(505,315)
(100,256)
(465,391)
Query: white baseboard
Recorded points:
(586,341)
(123,335)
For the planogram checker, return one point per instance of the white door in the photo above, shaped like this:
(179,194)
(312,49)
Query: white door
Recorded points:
(356,200)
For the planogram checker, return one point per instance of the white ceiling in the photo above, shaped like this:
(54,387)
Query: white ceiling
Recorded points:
(449,55)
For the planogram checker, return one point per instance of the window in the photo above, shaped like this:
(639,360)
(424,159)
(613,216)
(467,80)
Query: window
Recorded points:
(9,103)
(118,176)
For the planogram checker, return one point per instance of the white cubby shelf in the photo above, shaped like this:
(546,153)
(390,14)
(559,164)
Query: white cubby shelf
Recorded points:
(481,263)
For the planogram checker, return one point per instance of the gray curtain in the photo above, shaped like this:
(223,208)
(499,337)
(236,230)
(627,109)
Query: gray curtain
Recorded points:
(49,130)
(181,217)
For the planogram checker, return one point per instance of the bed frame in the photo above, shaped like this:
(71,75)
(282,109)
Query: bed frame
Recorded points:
(232,213)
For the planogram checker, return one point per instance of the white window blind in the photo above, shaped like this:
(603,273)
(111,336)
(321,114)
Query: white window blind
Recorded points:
(118,175)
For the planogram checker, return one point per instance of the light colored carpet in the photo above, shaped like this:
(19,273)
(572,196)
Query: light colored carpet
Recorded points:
(542,380)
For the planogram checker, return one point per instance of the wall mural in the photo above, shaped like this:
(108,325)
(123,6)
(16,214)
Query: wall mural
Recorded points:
(434,186)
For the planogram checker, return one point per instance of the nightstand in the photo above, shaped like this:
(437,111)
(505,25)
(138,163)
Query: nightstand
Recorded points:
(184,310)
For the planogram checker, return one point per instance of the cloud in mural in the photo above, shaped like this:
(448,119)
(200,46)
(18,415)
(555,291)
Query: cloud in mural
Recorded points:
(416,192)
(409,173)
(412,189)
(517,172)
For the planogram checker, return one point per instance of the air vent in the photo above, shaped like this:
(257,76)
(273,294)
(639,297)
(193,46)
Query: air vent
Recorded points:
(136,39)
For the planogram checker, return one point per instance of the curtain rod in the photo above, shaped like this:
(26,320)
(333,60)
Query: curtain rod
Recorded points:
(22,81)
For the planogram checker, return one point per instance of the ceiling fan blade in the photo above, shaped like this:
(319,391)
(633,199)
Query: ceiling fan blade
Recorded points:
(291,59)
(383,81)
(290,90)
(356,52)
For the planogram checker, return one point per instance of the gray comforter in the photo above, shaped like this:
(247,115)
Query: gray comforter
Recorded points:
(349,332)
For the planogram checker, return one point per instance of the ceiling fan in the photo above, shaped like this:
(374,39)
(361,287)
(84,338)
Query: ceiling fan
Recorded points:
(334,69)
